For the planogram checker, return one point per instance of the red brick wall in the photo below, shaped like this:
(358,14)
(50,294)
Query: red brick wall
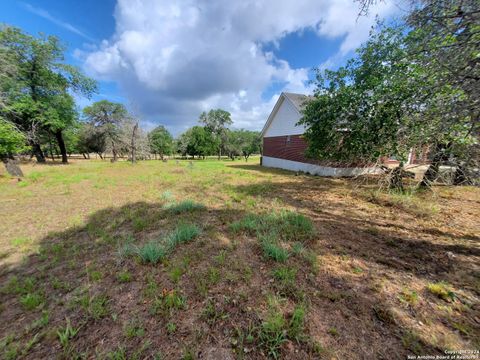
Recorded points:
(285,147)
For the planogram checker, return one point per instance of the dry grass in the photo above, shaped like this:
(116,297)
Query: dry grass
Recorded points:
(383,275)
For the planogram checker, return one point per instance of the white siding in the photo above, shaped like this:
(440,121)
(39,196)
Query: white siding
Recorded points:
(283,122)
(315,169)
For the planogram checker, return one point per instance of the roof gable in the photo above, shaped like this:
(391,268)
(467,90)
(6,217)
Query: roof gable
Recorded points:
(295,104)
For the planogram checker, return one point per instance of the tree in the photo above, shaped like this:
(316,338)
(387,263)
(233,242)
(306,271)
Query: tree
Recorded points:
(216,122)
(38,97)
(106,118)
(197,141)
(90,140)
(161,141)
(242,142)
(383,103)
(12,141)
(443,40)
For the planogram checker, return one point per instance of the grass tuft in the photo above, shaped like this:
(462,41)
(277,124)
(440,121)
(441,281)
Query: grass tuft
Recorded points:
(152,252)
(184,207)
(182,234)
(442,290)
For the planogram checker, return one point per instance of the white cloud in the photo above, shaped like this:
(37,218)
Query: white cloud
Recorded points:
(174,60)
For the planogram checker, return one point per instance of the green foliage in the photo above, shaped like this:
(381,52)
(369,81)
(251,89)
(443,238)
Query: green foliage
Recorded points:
(12,141)
(242,143)
(39,102)
(160,141)
(197,141)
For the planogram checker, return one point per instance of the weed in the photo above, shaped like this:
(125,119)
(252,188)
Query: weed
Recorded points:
(133,329)
(408,297)
(213,275)
(272,333)
(171,327)
(169,301)
(333,331)
(188,354)
(96,306)
(31,301)
(139,224)
(285,280)
(296,325)
(411,341)
(220,258)
(211,313)
(176,273)
(124,276)
(66,334)
(442,290)
(95,275)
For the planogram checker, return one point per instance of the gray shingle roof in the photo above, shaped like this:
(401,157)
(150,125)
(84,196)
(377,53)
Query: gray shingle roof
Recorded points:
(298,100)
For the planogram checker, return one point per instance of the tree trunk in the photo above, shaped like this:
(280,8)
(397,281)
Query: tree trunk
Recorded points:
(61,145)
(37,151)
(114,151)
(433,169)
(12,168)
(134,133)
(101,157)
(84,156)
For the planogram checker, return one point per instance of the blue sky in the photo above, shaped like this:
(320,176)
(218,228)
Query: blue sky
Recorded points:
(168,61)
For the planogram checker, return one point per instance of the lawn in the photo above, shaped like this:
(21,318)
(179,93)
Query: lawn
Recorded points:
(228,260)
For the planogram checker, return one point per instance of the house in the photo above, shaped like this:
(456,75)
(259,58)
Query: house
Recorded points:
(284,146)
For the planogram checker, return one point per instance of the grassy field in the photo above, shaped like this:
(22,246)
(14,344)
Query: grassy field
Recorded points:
(229,260)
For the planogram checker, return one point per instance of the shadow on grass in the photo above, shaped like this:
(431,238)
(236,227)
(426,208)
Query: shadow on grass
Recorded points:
(81,274)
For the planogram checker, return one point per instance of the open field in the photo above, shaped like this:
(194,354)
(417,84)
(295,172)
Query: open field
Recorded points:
(229,260)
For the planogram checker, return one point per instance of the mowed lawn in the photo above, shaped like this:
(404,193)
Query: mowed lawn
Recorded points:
(228,260)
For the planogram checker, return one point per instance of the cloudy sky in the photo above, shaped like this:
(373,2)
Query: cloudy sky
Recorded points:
(170,60)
